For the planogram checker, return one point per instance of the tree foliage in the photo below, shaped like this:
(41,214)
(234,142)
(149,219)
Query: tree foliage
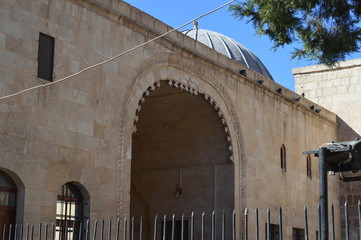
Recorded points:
(328,30)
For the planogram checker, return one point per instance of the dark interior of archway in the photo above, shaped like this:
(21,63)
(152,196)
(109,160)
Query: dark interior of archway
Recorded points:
(180,144)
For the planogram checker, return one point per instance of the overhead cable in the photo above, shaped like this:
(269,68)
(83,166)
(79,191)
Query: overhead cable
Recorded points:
(115,57)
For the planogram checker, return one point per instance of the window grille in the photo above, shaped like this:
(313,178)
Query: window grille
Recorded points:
(274,232)
(69,212)
(298,234)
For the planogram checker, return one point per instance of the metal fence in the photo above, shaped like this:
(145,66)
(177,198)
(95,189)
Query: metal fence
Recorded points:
(171,227)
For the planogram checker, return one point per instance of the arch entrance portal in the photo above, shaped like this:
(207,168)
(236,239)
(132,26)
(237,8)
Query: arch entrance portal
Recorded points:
(180,161)
(8,195)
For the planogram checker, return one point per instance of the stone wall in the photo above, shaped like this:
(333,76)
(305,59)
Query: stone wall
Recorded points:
(81,129)
(338,89)
(275,122)
(64,132)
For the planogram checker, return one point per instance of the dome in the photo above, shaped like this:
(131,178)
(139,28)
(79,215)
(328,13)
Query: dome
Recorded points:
(230,48)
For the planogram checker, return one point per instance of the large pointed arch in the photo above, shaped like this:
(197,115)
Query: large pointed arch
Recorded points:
(195,78)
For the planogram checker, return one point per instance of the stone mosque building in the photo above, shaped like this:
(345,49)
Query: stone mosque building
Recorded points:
(190,122)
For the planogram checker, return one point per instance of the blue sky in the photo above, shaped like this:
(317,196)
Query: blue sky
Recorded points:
(176,13)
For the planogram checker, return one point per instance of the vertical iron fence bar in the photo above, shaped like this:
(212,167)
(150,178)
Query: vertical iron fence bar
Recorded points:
(132,229)
(73,230)
(66,230)
(173,220)
(27,231)
(245,224)
(234,224)
(346,221)
(117,231)
(80,235)
(223,225)
(46,231)
(155,228)
(257,224)
(202,235)
(359,217)
(87,229)
(59,234)
(4,231)
(164,225)
(141,228)
(40,228)
(192,226)
(332,222)
(16,232)
(213,225)
(268,224)
(125,228)
(110,229)
(182,227)
(95,229)
(102,230)
(60,230)
(52,231)
(21,232)
(32,231)
(306,222)
(280,223)
(10,230)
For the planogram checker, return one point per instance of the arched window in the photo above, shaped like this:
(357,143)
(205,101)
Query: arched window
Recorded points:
(309,169)
(283,157)
(8,193)
(69,211)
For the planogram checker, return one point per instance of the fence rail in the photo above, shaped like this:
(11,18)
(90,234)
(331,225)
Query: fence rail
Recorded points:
(170,227)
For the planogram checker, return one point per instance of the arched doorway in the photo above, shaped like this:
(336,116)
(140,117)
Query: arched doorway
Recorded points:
(71,210)
(180,159)
(8,198)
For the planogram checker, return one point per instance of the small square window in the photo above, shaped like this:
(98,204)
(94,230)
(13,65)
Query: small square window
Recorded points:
(45,57)
(298,234)
(274,232)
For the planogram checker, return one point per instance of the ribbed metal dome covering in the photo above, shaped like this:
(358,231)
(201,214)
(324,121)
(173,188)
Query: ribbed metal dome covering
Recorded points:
(230,48)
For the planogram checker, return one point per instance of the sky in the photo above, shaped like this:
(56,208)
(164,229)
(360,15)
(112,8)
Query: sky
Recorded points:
(176,13)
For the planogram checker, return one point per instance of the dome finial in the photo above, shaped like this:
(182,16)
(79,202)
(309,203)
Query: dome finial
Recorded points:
(195,24)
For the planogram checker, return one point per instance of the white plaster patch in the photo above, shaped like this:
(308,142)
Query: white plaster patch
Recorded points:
(128,153)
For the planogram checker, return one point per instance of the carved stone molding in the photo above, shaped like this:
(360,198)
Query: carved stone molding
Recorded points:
(194,78)
(192,88)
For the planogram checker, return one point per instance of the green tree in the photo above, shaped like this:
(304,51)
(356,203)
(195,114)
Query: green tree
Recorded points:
(327,30)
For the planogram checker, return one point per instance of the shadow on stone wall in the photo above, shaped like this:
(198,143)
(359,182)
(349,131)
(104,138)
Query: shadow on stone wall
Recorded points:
(345,132)
(349,191)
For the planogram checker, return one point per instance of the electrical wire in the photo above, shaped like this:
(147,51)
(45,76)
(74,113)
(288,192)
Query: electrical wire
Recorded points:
(116,56)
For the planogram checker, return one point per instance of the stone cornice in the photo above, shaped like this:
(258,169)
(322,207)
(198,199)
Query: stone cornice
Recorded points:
(183,45)
(323,68)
